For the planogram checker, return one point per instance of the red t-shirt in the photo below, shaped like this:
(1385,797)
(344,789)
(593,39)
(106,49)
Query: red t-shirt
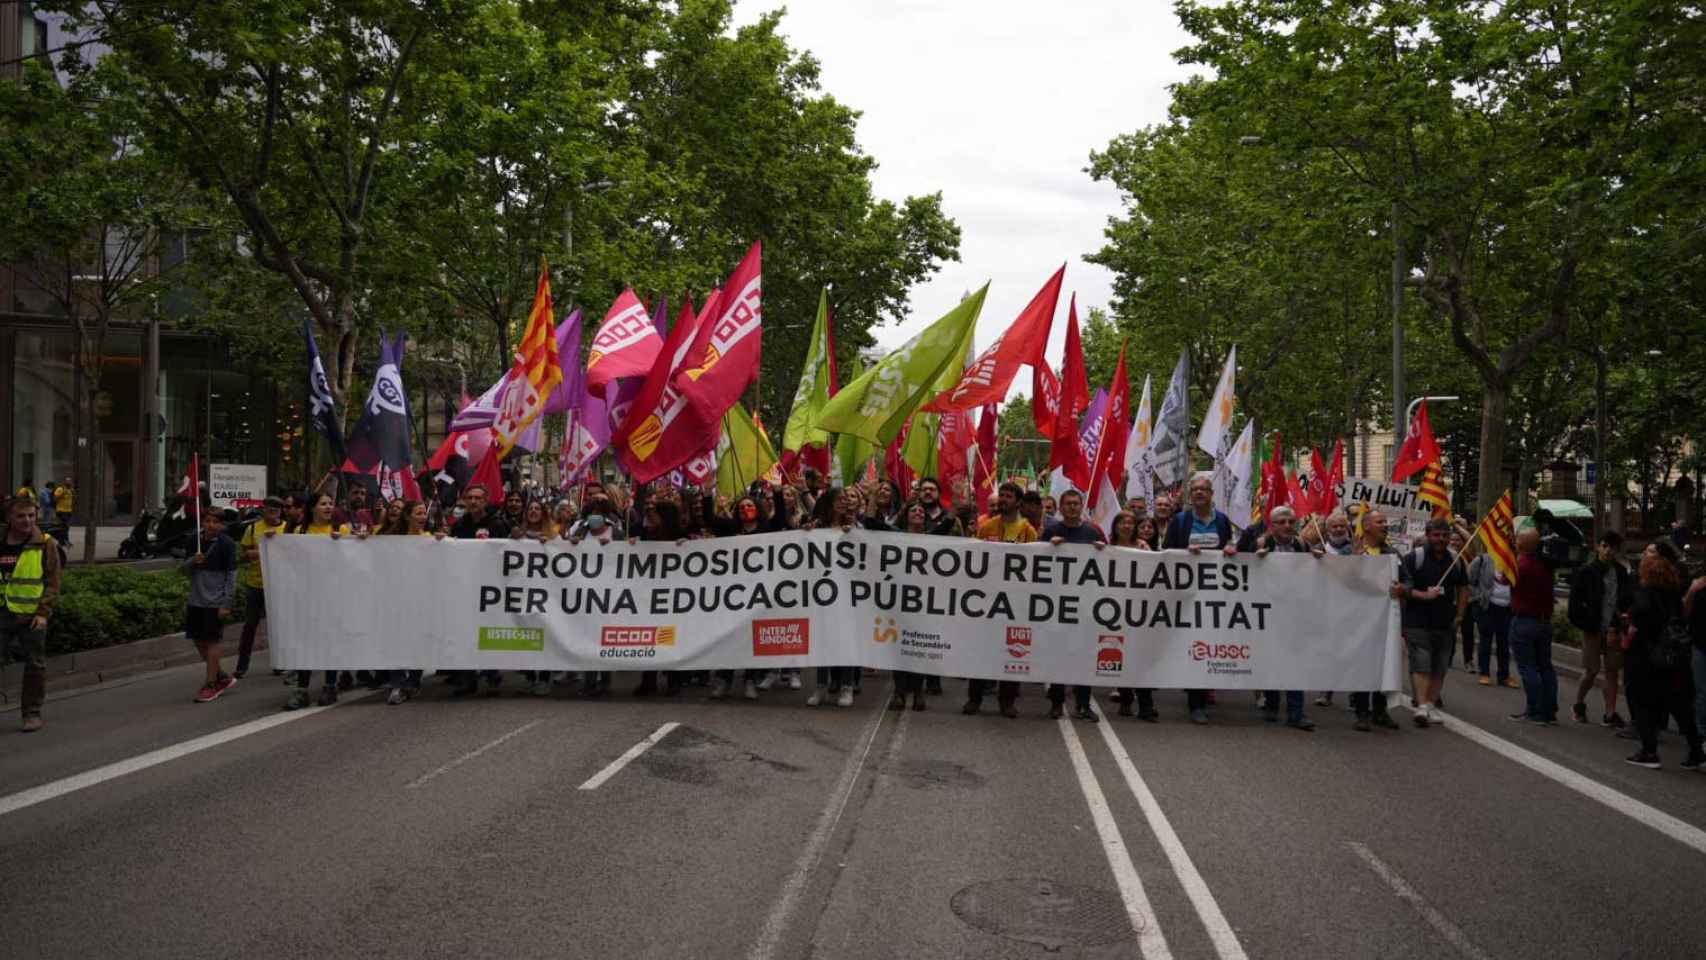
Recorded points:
(1531,595)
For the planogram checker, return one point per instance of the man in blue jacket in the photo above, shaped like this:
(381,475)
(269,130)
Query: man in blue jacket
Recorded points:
(1198,528)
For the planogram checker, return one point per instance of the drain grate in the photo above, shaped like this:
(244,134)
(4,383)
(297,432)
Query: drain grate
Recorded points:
(1045,912)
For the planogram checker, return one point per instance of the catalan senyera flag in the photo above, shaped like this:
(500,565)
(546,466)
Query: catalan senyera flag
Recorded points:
(537,371)
(1498,532)
(1433,490)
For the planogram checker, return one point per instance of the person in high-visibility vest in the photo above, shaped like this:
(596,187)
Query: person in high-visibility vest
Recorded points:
(29,584)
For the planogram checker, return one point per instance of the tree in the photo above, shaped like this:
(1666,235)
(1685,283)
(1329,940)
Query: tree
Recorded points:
(1512,142)
(87,198)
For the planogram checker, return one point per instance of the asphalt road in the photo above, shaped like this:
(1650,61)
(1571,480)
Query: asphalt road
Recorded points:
(447,828)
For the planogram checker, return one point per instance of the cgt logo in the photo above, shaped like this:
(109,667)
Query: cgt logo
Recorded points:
(781,638)
(628,643)
(1018,648)
(884,634)
(1110,655)
(1219,651)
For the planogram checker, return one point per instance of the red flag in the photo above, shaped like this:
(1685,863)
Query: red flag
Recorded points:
(989,376)
(1064,451)
(1300,500)
(641,434)
(1321,495)
(1045,398)
(626,344)
(190,490)
(489,476)
(957,438)
(1116,425)
(1274,490)
(1336,476)
(896,466)
(723,360)
(1419,448)
(983,472)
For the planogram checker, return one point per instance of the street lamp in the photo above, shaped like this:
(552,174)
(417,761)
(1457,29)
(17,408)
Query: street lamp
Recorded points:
(1410,412)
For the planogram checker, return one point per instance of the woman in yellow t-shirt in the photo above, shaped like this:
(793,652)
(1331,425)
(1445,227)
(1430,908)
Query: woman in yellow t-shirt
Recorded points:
(318,522)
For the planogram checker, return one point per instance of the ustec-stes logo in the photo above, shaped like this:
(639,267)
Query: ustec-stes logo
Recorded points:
(1018,648)
(627,643)
(781,638)
(1110,655)
(1201,650)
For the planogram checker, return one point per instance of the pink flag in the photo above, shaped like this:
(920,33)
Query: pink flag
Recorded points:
(626,345)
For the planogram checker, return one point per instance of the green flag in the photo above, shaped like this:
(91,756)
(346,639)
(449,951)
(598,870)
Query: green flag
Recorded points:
(922,449)
(802,428)
(852,453)
(876,405)
(744,453)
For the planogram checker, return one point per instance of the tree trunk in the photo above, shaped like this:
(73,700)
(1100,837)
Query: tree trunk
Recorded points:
(1495,401)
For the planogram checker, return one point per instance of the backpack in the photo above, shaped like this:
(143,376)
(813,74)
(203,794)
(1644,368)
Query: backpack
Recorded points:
(1675,646)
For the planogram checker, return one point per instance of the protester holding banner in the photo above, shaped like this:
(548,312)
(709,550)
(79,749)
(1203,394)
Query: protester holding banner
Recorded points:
(841,509)
(1072,528)
(1005,527)
(480,522)
(1370,706)
(411,522)
(940,522)
(1202,527)
(1128,530)
(254,586)
(747,522)
(1282,538)
(660,522)
(320,521)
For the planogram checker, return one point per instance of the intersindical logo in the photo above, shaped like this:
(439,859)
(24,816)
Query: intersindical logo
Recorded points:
(782,637)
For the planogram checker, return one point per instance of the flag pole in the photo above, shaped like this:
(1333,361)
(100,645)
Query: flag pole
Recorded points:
(1459,555)
(195,494)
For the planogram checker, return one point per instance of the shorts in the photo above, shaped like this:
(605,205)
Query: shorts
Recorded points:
(1430,650)
(1606,643)
(202,624)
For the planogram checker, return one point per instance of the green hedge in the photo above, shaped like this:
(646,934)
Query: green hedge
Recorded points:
(101,606)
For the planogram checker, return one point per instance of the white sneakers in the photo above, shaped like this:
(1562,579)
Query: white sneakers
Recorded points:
(816,697)
(751,691)
(846,698)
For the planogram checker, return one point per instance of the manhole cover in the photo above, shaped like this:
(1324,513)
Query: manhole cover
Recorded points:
(1044,912)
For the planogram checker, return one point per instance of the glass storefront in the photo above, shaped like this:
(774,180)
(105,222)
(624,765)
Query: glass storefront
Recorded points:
(226,415)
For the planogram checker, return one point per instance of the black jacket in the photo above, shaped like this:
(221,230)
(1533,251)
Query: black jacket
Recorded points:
(1587,594)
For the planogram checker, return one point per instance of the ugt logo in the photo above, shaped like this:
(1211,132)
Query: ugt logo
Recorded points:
(1018,642)
(882,634)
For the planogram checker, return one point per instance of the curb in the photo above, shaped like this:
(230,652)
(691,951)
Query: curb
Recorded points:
(87,668)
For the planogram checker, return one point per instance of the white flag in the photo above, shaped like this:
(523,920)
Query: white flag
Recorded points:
(1232,473)
(1170,446)
(1139,457)
(1217,419)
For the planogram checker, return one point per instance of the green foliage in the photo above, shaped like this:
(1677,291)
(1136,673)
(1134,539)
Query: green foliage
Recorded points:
(103,606)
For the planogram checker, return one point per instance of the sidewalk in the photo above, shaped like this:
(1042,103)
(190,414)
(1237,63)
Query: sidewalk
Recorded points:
(87,668)
(106,543)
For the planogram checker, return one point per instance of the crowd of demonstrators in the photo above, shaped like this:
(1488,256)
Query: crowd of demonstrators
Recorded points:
(1645,629)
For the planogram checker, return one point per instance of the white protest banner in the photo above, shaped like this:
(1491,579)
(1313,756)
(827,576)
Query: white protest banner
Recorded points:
(1406,515)
(236,485)
(959,608)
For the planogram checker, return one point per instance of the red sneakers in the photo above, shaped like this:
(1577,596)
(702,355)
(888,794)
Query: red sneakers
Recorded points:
(225,684)
(207,694)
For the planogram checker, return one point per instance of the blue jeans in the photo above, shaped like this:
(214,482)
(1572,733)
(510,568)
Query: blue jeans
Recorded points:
(1495,629)
(1293,704)
(1531,642)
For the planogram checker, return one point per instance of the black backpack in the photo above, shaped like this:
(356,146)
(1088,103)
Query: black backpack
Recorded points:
(1675,647)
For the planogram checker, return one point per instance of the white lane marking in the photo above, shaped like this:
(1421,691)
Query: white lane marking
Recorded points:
(776,922)
(597,780)
(1450,931)
(1144,923)
(1220,933)
(112,771)
(459,761)
(1678,830)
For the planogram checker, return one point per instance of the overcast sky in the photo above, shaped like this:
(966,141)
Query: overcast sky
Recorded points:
(997,104)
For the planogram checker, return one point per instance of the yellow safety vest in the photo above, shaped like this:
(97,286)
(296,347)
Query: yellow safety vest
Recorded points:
(24,587)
